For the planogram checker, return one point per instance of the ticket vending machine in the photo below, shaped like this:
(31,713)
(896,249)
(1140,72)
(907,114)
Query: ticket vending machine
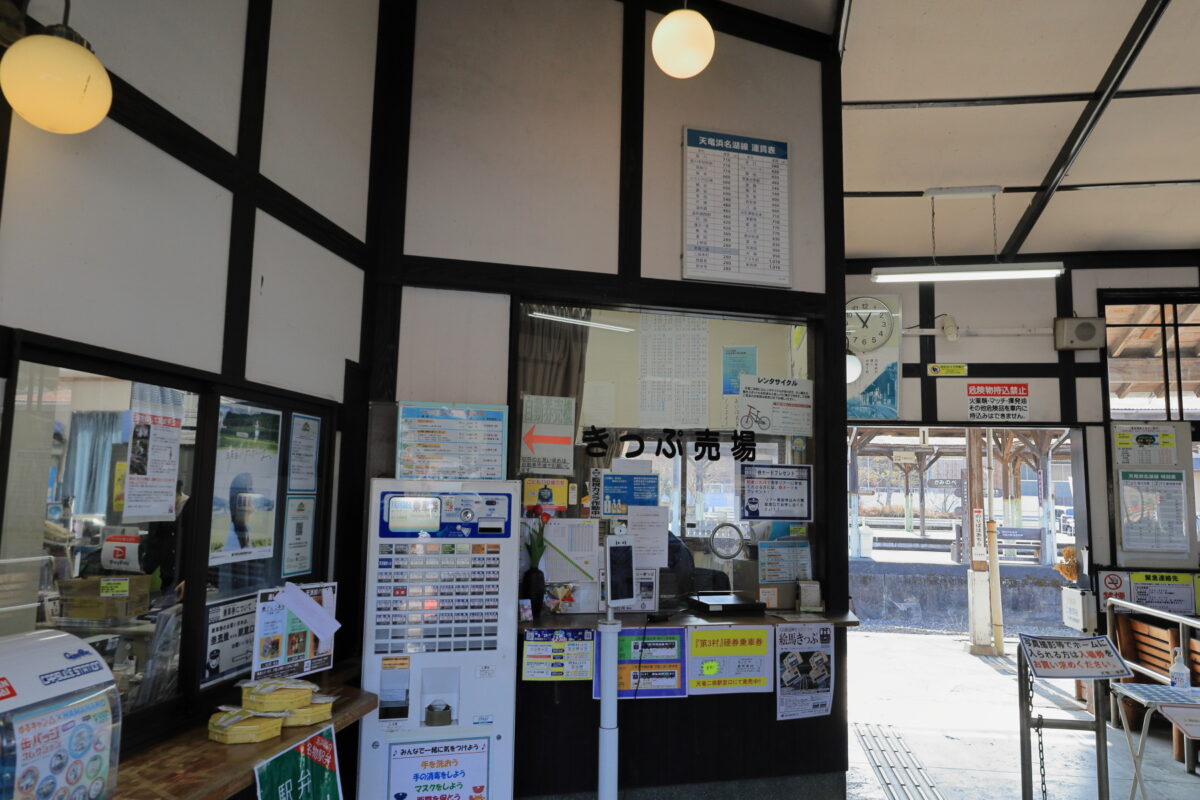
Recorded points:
(60,719)
(440,639)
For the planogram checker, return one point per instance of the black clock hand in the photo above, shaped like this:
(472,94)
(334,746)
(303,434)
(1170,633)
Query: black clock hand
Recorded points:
(865,320)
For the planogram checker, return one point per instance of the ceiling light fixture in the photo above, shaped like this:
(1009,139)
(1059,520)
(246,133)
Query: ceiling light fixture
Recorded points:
(967,272)
(683,43)
(587,322)
(993,270)
(54,81)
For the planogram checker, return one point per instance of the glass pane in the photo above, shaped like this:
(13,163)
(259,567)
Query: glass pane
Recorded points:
(1136,383)
(1188,313)
(244,550)
(1133,315)
(97,508)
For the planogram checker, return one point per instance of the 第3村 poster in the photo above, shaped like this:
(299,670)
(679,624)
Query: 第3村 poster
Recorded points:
(804,656)
(245,484)
(284,647)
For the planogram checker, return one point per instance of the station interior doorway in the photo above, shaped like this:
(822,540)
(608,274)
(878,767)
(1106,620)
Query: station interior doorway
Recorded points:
(911,521)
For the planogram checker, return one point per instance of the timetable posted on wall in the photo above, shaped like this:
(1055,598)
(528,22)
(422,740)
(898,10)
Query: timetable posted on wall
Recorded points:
(735,209)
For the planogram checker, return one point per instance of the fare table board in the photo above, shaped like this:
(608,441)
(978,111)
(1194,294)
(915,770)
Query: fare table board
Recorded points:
(735,209)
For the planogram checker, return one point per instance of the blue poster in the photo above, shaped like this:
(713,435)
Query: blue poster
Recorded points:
(735,362)
(620,491)
(650,663)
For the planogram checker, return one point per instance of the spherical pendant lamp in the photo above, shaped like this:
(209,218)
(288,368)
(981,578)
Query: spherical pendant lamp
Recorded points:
(54,81)
(683,43)
(854,367)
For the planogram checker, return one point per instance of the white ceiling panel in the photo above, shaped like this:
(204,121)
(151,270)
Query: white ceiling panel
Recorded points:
(899,226)
(1119,219)
(980,48)
(820,15)
(1170,57)
(1143,139)
(905,149)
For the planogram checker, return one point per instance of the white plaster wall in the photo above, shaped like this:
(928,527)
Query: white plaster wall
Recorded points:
(747,89)
(320,94)
(515,137)
(186,56)
(996,304)
(910,398)
(1097,492)
(453,346)
(1089,399)
(1043,397)
(105,239)
(305,312)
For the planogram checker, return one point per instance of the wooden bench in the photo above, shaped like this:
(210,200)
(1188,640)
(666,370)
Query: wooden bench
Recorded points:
(1152,645)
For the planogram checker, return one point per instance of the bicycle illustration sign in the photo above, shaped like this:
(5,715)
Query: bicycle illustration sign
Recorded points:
(783,406)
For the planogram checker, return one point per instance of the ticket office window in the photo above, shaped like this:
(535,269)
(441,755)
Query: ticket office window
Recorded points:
(661,388)
(97,509)
(265,519)
(100,521)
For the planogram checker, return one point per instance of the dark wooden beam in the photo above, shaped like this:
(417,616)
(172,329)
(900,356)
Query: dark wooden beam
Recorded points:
(1118,68)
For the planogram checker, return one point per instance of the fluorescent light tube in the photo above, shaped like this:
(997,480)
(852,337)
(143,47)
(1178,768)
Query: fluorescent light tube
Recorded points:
(967,272)
(962,192)
(587,322)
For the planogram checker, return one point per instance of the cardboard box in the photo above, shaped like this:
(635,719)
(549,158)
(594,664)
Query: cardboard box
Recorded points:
(105,597)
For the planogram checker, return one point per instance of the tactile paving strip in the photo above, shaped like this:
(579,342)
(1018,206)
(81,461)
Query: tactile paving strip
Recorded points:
(900,773)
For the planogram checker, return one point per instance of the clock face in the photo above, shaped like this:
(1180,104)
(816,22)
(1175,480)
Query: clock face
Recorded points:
(869,324)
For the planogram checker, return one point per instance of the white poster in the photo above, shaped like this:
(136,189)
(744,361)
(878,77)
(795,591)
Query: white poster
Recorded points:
(735,209)
(302,455)
(998,402)
(775,405)
(1144,446)
(299,523)
(648,530)
(446,767)
(1094,657)
(285,646)
(230,638)
(1153,511)
(245,484)
(156,415)
(672,371)
(547,435)
(119,553)
(804,654)
(1167,591)
(776,491)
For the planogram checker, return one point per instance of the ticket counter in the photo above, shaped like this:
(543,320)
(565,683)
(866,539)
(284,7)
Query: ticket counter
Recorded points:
(674,742)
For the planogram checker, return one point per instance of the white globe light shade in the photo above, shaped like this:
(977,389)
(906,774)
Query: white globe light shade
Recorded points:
(55,84)
(683,43)
(853,367)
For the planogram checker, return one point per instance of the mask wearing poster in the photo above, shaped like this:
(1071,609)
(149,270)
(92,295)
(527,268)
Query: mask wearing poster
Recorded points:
(244,488)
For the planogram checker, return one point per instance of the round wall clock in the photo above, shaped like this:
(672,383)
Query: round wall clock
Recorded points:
(869,324)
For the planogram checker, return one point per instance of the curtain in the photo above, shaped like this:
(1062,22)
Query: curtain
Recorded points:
(85,469)
(551,356)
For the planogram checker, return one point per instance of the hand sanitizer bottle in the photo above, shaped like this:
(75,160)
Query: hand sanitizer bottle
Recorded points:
(1181,676)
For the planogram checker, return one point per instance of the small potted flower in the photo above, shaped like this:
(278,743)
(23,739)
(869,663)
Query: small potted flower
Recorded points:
(533,584)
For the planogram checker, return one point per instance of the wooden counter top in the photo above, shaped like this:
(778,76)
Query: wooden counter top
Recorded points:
(190,767)
(681,619)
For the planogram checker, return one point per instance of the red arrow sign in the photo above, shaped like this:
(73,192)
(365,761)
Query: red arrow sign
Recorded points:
(530,439)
